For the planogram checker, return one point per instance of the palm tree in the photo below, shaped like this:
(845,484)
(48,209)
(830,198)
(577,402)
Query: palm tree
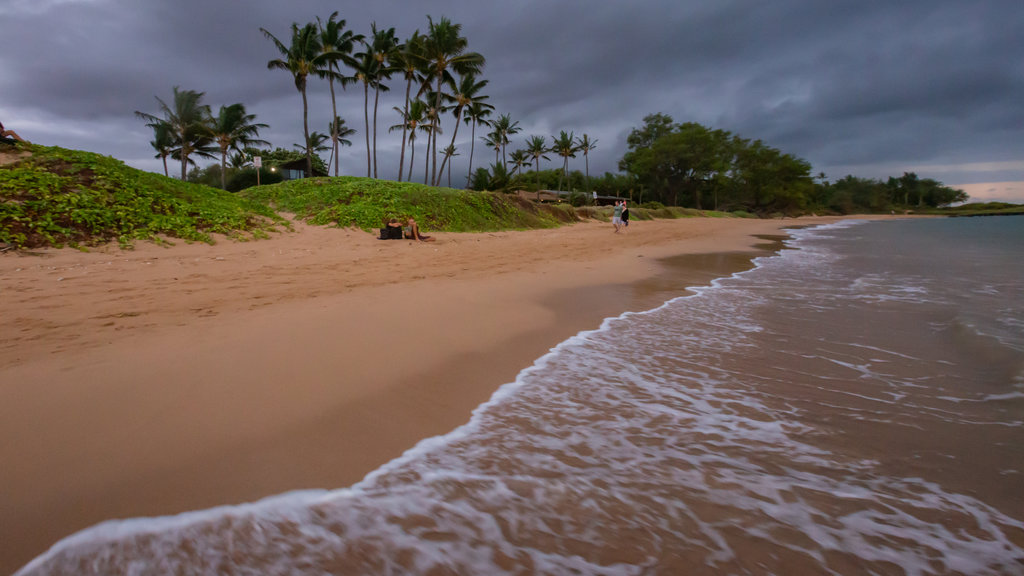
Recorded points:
(409,59)
(316,143)
(493,140)
(366,72)
(382,48)
(466,93)
(536,148)
(505,127)
(448,153)
(476,113)
(338,43)
(339,134)
(445,51)
(520,158)
(564,146)
(414,117)
(233,129)
(585,145)
(189,123)
(163,142)
(303,57)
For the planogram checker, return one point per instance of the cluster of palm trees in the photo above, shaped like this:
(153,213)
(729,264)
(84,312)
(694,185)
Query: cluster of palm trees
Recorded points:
(188,128)
(441,77)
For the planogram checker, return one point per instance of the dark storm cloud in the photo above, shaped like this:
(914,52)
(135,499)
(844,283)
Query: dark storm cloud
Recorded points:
(870,87)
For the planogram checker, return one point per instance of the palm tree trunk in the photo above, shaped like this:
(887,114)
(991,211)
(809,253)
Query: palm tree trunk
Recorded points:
(405,129)
(472,144)
(164,157)
(223,167)
(412,158)
(376,101)
(437,128)
(334,127)
(366,121)
(458,119)
(305,130)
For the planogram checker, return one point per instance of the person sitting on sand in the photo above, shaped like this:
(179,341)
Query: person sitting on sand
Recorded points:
(392,230)
(9,135)
(412,232)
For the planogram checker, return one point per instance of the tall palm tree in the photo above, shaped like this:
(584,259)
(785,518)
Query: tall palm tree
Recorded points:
(564,146)
(338,43)
(366,72)
(409,59)
(505,127)
(476,113)
(536,147)
(163,142)
(585,145)
(189,122)
(382,47)
(339,134)
(414,117)
(233,129)
(464,94)
(445,51)
(304,56)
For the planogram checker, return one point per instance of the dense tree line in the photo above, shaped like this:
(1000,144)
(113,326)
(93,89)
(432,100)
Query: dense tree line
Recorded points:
(680,164)
(695,166)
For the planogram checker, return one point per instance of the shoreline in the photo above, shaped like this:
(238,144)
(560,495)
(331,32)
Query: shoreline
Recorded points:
(162,380)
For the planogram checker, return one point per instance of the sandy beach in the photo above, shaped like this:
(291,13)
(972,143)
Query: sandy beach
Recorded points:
(170,378)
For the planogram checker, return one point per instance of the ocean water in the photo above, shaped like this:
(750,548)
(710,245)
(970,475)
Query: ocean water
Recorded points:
(852,405)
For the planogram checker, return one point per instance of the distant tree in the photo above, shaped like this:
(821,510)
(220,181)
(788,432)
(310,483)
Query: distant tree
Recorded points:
(339,135)
(465,93)
(234,129)
(366,73)
(585,144)
(493,140)
(476,113)
(520,158)
(163,142)
(317,143)
(188,120)
(382,47)
(415,117)
(536,147)
(304,56)
(565,146)
(449,151)
(409,58)
(505,127)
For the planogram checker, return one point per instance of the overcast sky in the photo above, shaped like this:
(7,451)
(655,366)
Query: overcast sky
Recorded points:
(869,88)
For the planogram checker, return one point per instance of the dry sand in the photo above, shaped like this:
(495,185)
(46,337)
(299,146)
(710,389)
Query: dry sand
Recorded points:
(164,379)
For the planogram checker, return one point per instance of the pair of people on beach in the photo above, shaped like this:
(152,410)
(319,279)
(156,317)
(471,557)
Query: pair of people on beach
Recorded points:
(620,216)
(411,231)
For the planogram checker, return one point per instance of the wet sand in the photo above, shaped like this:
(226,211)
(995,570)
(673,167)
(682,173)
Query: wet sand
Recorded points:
(164,379)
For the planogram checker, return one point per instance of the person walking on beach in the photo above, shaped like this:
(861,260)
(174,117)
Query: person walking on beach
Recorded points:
(625,216)
(617,216)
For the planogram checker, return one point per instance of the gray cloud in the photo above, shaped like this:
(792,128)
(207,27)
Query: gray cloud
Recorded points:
(869,86)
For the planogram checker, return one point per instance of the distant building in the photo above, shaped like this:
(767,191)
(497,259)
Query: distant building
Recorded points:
(296,169)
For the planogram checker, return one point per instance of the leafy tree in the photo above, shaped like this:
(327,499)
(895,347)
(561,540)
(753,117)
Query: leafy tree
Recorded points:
(189,122)
(304,56)
(520,158)
(233,129)
(336,44)
(449,151)
(445,52)
(366,73)
(493,140)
